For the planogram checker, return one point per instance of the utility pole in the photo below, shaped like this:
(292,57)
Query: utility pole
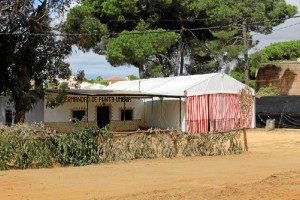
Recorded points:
(246,56)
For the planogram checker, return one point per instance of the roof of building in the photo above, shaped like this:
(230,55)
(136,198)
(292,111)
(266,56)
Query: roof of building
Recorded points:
(115,78)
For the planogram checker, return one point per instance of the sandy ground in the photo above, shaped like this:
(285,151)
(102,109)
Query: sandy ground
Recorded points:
(270,170)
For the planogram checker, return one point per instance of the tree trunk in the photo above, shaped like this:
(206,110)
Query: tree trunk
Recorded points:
(179,64)
(25,87)
(181,50)
(181,60)
(141,72)
(20,117)
(245,43)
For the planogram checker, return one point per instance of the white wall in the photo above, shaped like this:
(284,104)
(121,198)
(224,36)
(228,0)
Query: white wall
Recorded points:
(3,107)
(35,115)
(63,113)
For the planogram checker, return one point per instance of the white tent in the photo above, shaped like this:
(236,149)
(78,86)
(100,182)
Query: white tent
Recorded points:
(96,86)
(200,103)
(214,83)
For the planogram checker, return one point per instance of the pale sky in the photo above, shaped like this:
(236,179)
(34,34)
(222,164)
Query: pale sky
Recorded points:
(95,65)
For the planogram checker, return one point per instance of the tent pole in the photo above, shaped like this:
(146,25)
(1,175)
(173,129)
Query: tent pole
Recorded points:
(152,113)
(180,113)
(185,111)
(144,113)
(124,113)
(208,107)
(87,109)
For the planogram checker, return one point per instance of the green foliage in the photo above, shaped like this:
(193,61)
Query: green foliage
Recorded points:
(269,90)
(27,53)
(249,16)
(259,12)
(105,132)
(156,71)
(108,18)
(59,98)
(132,77)
(80,76)
(77,148)
(143,16)
(81,20)
(99,78)
(235,73)
(279,51)
(136,47)
(24,146)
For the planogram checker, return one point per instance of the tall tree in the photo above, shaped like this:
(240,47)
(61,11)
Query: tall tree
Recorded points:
(207,30)
(236,19)
(80,76)
(133,17)
(30,52)
(136,50)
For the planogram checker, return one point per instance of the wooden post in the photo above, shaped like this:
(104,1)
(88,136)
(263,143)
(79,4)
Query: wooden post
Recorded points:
(245,140)
(180,113)
(87,109)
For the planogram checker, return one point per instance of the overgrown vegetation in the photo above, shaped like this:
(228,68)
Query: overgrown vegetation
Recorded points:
(269,90)
(275,52)
(24,146)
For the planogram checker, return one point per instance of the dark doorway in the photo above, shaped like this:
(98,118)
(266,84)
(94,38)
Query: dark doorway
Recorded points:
(8,117)
(102,116)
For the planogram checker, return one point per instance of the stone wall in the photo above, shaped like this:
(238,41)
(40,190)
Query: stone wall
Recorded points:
(284,75)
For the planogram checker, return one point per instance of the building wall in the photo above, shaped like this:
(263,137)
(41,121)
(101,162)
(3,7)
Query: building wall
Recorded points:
(284,75)
(35,115)
(60,118)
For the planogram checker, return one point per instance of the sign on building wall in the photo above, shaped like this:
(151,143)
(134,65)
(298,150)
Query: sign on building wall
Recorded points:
(97,99)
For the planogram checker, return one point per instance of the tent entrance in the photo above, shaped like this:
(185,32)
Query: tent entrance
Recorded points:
(102,116)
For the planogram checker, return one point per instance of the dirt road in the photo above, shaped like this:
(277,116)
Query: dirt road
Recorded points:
(270,170)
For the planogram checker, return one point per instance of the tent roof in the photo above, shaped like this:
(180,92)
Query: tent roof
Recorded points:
(105,92)
(183,85)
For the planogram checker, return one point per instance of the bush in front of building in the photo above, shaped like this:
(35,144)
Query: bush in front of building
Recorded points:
(31,146)
(23,146)
(77,148)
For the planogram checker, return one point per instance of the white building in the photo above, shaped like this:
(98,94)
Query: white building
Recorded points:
(7,113)
(197,103)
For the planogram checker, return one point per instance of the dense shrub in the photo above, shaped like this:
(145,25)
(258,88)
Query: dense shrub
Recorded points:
(77,148)
(23,146)
(30,146)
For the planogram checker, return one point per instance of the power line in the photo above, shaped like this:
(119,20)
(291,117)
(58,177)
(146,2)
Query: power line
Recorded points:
(285,27)
(146,32)
(178,20)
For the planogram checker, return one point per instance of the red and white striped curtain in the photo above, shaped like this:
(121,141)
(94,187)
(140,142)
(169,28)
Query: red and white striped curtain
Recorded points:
(224,112)
(215,112)
(197,114)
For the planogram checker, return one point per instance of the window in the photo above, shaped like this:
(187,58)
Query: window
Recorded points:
(127,114)
(8,117)
(78,114)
